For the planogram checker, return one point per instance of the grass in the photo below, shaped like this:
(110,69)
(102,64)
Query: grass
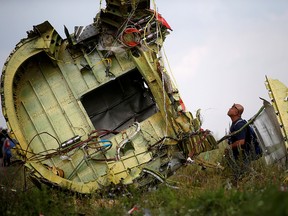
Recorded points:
(201,192)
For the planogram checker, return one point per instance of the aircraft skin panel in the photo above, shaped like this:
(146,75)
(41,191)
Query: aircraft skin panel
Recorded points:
(271,139)
(85,71)
(278,93)
(44,97)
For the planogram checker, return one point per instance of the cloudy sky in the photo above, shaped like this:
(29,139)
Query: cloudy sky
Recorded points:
(219,50)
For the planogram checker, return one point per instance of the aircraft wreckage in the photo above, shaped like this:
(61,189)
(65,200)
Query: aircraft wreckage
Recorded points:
(98,108)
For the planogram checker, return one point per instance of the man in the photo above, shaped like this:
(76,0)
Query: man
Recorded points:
(7,145)
(239,161)
(237,141)
(2,139)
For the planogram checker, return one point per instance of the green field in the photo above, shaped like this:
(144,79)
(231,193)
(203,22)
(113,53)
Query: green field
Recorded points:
(261,191)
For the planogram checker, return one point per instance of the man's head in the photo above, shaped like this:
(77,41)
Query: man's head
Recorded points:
(235,111)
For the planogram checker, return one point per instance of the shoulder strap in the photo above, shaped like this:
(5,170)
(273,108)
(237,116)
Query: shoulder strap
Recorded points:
(240,120)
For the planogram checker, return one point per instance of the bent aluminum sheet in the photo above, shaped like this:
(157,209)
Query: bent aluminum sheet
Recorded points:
(269,134)
(278,94)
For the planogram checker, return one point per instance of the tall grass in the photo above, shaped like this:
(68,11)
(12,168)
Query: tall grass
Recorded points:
(201,192)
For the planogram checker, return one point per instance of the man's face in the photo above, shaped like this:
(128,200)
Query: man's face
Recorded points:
(233,111)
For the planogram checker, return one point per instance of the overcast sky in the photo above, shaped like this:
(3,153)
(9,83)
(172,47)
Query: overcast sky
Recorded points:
(219,50)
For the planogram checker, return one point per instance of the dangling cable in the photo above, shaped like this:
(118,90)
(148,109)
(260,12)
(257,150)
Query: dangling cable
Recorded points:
(169,67)
(122,28)
(145,31)
(158,33)
(164,103)
(129,138)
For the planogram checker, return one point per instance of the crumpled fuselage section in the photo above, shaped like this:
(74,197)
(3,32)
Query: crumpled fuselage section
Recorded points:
(99,108)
